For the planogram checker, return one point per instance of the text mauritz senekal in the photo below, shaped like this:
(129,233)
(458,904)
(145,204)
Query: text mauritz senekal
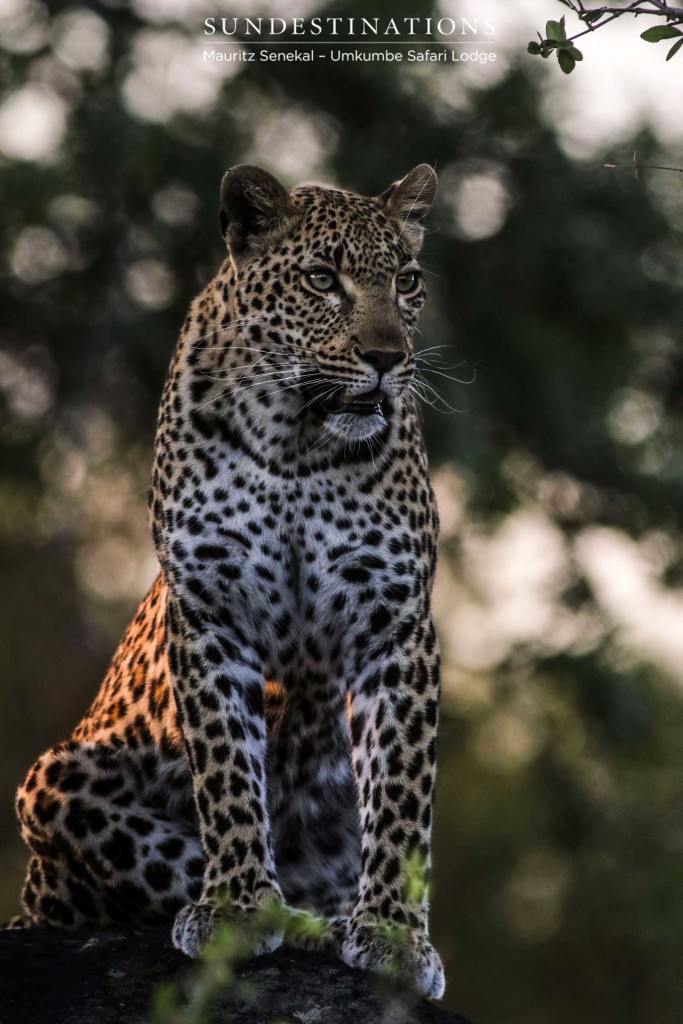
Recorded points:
(336,56)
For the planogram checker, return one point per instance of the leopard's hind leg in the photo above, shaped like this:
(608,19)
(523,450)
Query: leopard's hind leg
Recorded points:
(111,836)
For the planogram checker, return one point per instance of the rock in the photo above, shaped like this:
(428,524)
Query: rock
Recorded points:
(108,976)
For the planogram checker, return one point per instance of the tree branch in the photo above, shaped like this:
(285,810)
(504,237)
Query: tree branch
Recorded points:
(559,42)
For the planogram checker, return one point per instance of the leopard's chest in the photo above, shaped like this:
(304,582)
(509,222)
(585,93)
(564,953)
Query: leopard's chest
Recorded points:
(319,566)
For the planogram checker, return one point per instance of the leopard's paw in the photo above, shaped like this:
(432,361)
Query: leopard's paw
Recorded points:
(406,955)
(260,930)
(193,927)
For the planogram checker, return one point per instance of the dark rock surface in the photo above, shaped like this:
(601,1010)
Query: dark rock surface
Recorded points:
(107,977)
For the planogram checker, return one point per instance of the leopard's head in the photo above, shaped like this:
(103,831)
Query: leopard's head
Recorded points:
(328,289)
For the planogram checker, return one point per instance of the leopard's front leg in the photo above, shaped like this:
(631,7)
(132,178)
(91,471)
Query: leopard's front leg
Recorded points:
(394,722)
(219,687)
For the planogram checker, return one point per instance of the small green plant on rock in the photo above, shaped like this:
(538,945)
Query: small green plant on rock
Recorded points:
(230,945)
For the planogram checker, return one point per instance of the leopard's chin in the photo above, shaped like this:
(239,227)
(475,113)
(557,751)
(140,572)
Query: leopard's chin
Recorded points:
(350,426)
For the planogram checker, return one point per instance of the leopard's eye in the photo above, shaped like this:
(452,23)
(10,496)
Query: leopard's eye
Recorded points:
(407,282)
(321,280)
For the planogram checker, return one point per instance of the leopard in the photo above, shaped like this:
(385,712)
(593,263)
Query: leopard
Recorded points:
(266,733)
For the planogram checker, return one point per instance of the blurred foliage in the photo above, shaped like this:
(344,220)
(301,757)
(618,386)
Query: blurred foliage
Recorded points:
(192,1000)
(559,828)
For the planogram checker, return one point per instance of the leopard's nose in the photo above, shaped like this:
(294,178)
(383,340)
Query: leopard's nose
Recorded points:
(382,359)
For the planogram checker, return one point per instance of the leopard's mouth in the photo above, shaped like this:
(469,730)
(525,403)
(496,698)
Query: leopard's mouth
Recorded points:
(368,403)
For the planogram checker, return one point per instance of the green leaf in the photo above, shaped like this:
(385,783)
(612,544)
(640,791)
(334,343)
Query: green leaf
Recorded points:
(164,1001)
(575,53)
(566,61)
(659,32)
(555,30)
(534,47)
(590,16)
(564,44)
(674,49)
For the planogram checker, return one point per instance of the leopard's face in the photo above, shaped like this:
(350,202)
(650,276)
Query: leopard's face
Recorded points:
(329,301)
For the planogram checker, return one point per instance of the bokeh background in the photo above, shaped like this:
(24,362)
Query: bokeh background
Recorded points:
(554,428)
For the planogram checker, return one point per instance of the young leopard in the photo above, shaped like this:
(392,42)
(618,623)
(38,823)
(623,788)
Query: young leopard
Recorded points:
(296,529)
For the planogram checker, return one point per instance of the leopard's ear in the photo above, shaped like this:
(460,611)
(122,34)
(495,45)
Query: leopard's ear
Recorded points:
(409,200)
(254,206)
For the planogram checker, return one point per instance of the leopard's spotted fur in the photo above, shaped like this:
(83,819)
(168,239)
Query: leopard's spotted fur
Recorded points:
(297,540)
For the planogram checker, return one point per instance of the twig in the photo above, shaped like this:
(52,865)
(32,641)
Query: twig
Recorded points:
(643,167)
(655,8)
(614,13)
